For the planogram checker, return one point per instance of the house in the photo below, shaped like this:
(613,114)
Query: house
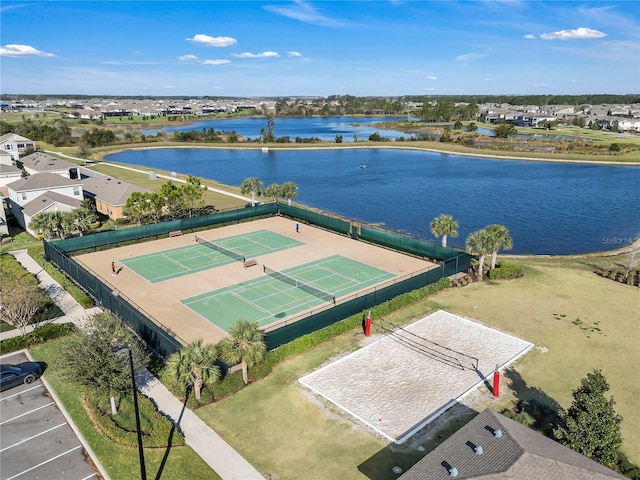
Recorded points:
(15,145)
(42,192)
(108,194)
(39,162)
(494,447)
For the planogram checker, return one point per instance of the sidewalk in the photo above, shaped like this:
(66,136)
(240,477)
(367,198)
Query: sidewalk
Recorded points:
(223,459)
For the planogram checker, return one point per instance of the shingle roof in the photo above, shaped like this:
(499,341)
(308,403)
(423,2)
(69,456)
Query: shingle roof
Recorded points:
(9,169)
(14,137)
(41,162)
(46,200)
(41,181)
(108,189)
(517,454)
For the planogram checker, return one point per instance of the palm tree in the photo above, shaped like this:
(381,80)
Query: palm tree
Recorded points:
(254,186)
(272,191)
(289,190)
(195,364)
(444,226)
(479,242)
(244,345)
(500,240)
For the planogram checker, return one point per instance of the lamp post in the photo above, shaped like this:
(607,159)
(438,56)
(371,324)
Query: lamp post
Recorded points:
(143,471)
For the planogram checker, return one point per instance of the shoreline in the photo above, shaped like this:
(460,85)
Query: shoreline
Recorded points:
(100,155)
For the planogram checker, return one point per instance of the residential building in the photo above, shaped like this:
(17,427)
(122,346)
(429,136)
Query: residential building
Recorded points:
(15,145)
(108,194)
(39,162)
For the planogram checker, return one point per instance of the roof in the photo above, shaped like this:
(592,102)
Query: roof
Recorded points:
(41,181)
(516,452)
(9,169)
(46,200)
(109,190)
(14,137)
(41,162)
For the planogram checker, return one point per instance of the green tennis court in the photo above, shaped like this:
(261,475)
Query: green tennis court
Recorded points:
(168,264)
(272,297)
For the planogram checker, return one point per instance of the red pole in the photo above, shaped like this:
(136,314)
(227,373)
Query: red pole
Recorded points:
(496,383)
(367,325)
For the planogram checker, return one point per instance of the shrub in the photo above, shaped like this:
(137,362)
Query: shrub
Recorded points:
(36,337)
(506,271)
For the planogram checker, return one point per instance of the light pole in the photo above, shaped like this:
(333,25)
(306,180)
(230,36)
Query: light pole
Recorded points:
(143,471)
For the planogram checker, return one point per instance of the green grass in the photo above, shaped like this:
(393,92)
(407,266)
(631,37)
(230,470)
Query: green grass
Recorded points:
(21,240)
(120,462)
(309,438)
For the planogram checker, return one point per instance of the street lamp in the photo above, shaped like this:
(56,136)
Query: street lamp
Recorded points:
(117,348)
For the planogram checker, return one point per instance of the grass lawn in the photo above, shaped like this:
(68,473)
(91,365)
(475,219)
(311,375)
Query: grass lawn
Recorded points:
(578,320)
(121,463)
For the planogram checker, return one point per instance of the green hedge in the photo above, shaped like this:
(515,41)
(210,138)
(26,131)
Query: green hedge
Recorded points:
(37,253)
(36,337)
(506,271)
(233,382)
(156,427)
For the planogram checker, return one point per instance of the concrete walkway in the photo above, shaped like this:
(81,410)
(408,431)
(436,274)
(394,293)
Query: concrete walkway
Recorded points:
(223,459)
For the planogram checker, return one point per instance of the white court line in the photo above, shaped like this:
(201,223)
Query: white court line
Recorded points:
(44,463)
(26,413)
(23,391)
(33,436)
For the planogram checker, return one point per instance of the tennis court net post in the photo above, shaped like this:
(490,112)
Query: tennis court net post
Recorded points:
(219,248)
(306,287)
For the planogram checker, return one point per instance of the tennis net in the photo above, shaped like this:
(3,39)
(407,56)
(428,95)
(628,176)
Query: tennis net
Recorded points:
(224,250)
(312,289)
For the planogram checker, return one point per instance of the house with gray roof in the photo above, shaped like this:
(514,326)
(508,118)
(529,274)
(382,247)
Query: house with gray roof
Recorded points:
(47,191)
(14,145)
(494,447)
(108,194)
(39,162)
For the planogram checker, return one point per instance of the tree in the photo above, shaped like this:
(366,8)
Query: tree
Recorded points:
(253,186)
(444,226)
(194,365)
(289,190)
(244,345)
(591,426)
(19,301)
(505,130)
(273,191)
(499,239)
(46,223)
(479,243)
(193,193)
(89,358)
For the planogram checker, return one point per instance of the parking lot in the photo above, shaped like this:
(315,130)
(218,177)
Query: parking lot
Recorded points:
(36,440)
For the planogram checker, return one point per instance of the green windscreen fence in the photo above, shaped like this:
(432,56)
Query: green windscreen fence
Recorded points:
(162,341)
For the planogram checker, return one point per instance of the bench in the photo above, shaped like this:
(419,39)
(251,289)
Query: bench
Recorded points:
(175,233)
(250,263)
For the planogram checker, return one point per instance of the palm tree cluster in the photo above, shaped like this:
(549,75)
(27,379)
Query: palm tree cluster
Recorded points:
(197,364)
(255,187)
(169,203)
(62,224)
(487,241)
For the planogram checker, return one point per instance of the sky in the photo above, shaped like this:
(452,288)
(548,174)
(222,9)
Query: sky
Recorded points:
(320,48)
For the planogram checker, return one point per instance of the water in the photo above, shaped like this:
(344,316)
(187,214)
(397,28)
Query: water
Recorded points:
(324,128)
(549,208)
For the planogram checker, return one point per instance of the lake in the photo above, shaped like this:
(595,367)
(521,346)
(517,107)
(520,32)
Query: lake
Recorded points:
(549,208)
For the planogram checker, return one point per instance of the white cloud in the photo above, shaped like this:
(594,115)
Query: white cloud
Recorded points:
(469,57)
(256,55)
(575,34)
(529,36)
(294,54)
(22,51)
(215,62)
(305,13)
(167,86)
(431,77)
(212,41)
(188,58)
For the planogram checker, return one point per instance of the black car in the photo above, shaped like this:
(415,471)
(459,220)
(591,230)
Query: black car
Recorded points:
(14,375)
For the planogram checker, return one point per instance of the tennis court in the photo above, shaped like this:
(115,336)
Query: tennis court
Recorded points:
(203,255)
(277,295)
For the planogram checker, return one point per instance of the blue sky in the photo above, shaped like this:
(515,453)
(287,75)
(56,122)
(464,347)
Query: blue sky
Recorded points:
(307,48)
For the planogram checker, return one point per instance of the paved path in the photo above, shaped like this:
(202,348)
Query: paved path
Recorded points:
(223,459)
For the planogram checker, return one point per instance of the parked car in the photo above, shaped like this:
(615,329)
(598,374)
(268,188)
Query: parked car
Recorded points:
(22,373)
